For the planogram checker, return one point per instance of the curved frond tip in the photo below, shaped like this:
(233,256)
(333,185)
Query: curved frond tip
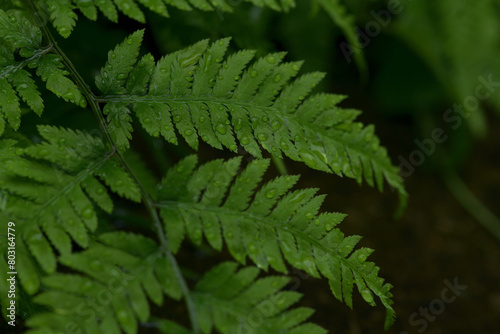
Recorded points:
(198,94)
(271,226)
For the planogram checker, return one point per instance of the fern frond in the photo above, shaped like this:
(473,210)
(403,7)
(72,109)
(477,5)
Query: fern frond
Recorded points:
(56,180)
(63,16)
(19,35)
(227,299)
(120,273)
(226,103)
(270,226)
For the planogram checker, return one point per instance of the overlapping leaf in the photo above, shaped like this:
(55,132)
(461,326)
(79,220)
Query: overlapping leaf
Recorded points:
(119,273)
(231,300)
(271,226)
(197,94)
(63,16)
(50,189)
(19,35)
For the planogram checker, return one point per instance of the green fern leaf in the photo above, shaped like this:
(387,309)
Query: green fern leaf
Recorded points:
(227,299)
(63,16)
(270,226)
(18,34)
(57,186)
(125,269)
(258,105)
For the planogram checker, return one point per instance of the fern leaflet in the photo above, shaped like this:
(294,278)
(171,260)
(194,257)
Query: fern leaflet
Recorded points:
(18,34)
(57,180)
(269,226)
(122,271)
(63,16)
(229,103)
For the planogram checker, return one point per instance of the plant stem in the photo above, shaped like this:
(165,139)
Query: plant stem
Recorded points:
(147,199)
(280,165)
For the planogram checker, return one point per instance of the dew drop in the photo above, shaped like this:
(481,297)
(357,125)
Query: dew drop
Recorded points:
(129,41)
(271,59)
(245,140)
(276,125)
(271,193)
(253,73)
(262,136)
(88,213)
(201,119)
(177,118)
(238,125)
(64,31)
(221,128)
(189,132)
(308,158)
(277,78)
